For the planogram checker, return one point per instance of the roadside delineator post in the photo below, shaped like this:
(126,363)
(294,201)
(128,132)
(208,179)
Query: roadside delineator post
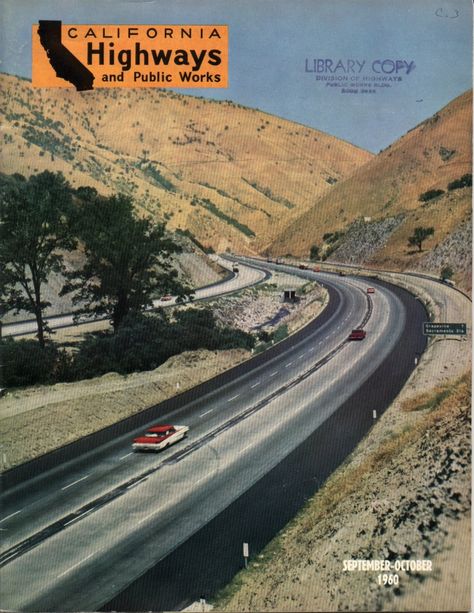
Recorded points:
(246,554)
(374,414)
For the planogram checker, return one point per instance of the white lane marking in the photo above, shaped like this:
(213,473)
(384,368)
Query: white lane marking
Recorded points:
(147,517)
(126,456)
(73,567)
(301,356)
(74,482)
(288,365)
(206,412)
(11,555)
(320,343)
(11,515)
(233,397)
(274,373)
(312,349)
(71,521)
(250,445)
(255,384)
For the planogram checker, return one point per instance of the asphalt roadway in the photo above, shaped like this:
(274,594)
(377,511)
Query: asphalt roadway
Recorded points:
(118,530)
(247,276)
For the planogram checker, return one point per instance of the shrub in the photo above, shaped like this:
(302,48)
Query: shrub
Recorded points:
(464,181)
(419,235)
(446,154)
(314,252)
(26,363)
(446,273)
(264,336)
(430,194)
(280,333)
(135,346)
(143,342)
(332,237)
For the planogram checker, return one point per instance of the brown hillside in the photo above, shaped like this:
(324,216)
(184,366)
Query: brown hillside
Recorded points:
(430,156)
(233,176)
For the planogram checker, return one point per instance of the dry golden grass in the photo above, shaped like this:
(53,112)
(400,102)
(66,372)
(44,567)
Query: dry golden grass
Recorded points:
(392,182)
(427,400)
(256,168)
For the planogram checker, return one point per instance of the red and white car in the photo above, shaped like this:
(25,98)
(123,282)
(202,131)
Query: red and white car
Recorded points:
(157,438)
(370,290)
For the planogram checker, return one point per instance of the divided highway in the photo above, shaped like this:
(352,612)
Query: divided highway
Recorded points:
(84,530)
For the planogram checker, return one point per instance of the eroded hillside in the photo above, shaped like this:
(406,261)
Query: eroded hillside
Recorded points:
(369,217)
(232,176)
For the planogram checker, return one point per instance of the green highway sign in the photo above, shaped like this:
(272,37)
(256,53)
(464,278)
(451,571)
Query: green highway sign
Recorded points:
(433,328)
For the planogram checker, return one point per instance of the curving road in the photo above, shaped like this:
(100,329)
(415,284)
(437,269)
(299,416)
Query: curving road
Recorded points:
(248,275)
(84,530)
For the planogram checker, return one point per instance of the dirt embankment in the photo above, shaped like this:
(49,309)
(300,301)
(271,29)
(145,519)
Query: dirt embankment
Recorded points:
(34,420)
(408,497)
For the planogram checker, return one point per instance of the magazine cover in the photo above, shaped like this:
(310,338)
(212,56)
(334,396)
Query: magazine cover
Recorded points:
(235,302)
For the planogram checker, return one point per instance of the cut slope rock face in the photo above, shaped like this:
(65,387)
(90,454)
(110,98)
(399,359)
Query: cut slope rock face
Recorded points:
(233,176)
(428,157)
(364,239)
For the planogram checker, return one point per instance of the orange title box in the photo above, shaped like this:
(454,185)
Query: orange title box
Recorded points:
(94,56)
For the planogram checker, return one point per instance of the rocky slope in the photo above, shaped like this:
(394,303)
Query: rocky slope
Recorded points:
(428,158)
(405,498)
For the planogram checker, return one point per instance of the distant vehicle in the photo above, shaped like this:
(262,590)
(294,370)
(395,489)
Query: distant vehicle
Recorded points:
(357,335)
(235,268)
(370,290)
(449,282)
(157,438)
(316,269)
(341,273)
(303,266)
(166,298)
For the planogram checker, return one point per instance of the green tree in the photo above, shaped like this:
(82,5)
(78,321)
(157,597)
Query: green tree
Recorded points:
(127,260)
(419,235)
(314,253)
(446,273)
(34,232)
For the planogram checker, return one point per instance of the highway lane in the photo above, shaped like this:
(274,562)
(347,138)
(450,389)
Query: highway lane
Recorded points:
(232,465)
(245,277)
(44,499)
(258,515)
